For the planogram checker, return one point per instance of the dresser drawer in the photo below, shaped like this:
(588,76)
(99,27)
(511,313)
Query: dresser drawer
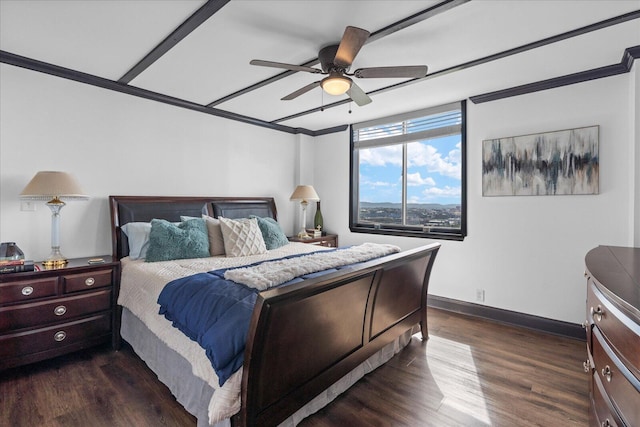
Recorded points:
(616,326)
(84,281)
(604,414)
(53,310)
(26,290)
(56,336)
(620,385)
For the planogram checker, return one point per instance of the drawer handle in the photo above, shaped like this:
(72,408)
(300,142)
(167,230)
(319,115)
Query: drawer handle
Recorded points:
(60,336)
(597,313)
(587,365)
(60,310)
(606,372)
(585,324)
(27,290)
(90,281)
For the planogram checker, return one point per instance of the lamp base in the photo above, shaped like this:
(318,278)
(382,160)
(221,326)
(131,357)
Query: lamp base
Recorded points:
(55,259)
(303,234)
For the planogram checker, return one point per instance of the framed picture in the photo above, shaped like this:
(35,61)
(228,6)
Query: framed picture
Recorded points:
(543,164)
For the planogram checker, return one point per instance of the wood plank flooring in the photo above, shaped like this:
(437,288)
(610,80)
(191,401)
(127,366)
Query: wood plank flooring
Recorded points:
(471,372)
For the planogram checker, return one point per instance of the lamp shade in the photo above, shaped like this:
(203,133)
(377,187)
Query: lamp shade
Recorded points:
(304,192)
(47,185)
(336,84)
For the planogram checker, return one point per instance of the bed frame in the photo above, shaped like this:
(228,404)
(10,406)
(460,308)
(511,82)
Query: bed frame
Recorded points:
(334,322)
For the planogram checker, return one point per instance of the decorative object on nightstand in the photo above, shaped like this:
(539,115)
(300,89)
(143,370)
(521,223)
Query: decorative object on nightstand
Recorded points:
(12,259)
(55,187)
(318,222)
(304,193)
(9,251)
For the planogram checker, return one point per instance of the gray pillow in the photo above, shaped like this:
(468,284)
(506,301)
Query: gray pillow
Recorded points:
(138,238)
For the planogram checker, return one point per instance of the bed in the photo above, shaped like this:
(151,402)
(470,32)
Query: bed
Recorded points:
(306,342)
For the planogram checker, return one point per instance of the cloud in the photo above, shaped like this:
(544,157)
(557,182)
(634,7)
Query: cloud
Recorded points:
(382,156)
(379,184)
(415,179)
(422,154)
(446,191)
(367,181)
(419,154)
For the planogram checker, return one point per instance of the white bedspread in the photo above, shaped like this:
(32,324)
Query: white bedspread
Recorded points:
(140,287)
(273,273)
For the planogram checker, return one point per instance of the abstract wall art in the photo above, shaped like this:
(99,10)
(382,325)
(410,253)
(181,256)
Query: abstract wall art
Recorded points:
(551,163)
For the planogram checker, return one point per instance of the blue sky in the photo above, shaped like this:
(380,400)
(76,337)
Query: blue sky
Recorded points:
(433,174)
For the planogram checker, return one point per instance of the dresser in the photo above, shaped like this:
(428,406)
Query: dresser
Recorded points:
(613,335)
(48,313)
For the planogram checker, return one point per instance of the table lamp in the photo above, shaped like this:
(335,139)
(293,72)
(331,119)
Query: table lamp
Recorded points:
(304,193)
(55,187)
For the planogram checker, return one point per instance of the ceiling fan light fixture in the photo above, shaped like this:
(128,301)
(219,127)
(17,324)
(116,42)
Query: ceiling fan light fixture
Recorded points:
(336,84)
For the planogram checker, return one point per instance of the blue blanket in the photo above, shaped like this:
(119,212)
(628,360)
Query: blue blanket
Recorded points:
(215,313)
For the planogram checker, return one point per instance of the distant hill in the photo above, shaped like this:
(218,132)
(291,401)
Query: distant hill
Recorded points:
(409,205)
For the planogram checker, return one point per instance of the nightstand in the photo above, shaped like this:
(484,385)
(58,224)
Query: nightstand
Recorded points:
(330,240)
(48,313)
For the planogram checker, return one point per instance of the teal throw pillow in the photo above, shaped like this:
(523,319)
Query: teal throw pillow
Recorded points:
(167,241)
(271,232)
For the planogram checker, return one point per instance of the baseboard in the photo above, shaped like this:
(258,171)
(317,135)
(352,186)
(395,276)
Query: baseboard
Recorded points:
(555,327)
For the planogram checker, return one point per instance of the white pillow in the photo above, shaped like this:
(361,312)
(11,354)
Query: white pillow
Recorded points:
(138,237)
(216,241)
(242,237)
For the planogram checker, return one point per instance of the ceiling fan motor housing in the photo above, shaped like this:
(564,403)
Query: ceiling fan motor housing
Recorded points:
(326,56)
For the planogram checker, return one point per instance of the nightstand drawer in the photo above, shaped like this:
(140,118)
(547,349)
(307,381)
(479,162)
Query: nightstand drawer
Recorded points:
(52,337)
(25,290)
(56,310)
(85,281)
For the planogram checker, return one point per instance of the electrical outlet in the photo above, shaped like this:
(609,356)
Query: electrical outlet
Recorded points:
(479,295)
(27,206)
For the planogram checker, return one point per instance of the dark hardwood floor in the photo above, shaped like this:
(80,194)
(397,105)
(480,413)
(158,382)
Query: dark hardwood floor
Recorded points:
(471,372)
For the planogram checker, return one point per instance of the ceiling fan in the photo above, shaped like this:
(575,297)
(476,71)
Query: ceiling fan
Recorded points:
(336,59)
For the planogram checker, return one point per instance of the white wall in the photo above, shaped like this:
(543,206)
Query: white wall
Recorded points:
(116,144)
(526,252)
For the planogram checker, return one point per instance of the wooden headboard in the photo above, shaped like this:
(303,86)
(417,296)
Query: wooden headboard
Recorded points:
(125,209)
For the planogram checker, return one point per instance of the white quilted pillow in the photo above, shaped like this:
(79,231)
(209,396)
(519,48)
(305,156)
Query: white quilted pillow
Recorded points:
(242,237)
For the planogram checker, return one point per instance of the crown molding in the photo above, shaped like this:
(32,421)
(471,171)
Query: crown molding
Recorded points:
(630,54)
(90,79)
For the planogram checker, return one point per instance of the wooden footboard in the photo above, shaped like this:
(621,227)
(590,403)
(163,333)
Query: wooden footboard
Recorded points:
(305,337)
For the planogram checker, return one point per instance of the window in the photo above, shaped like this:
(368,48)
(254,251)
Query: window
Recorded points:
(408,174)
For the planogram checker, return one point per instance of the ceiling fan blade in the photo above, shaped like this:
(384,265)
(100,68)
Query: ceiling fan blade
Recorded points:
(301,91)
(291,67)
(382,72)
(358,95)
(352,41)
